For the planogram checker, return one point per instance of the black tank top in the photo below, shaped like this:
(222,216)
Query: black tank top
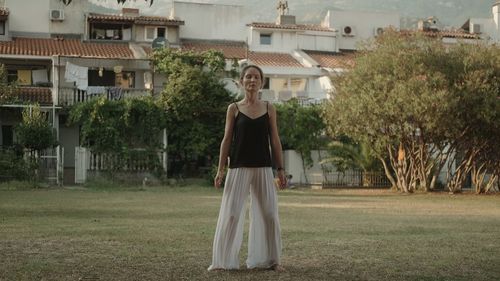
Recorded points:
(250,143)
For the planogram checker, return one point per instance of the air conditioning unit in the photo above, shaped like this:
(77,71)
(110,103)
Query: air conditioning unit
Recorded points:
(476,28)
(348,30)
(378,31)
(56,15)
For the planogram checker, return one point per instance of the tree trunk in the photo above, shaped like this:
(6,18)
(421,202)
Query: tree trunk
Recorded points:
(304,167)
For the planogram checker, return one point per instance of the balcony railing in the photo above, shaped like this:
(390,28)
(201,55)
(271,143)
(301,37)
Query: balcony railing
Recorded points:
(304,97)
(70,96)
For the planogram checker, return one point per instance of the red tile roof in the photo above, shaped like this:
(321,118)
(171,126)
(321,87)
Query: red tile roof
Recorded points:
(64,47)
(333,60)
(41,95)
(231,50)
(273,59)
(311,27)
(133,19)
(238,50)
(443,33)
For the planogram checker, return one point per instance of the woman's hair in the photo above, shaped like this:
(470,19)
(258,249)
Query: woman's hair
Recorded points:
(246,68)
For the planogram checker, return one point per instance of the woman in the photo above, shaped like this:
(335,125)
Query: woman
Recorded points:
(250,129)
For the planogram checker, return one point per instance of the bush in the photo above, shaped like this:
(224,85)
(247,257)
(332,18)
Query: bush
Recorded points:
(14,167)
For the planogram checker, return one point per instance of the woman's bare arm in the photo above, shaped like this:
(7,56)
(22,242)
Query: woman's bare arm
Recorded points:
(225,144)
(276,146)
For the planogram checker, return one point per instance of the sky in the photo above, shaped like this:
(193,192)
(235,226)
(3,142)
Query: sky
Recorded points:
(452,13)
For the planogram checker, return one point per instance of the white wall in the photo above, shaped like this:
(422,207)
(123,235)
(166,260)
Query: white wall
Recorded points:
(364,25)
(489,31)
(210,21)
(293,166)
(29,16)
(74,17)
(318,42)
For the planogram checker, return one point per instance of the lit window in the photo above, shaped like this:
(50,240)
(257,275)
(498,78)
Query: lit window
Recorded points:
(265,39)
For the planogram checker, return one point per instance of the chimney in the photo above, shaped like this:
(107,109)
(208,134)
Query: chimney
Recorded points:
(130,12)
(285,19)
(496,14)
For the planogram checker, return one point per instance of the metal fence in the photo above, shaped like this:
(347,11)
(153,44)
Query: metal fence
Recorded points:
(45,166)
(354,178)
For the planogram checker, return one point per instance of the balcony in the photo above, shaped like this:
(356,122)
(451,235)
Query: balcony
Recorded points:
(69,95)
(304,97)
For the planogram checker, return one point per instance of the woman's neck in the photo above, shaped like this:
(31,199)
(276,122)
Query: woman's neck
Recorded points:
(251,97)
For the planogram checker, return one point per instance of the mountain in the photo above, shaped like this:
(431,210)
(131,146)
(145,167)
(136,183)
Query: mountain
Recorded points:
(449,12)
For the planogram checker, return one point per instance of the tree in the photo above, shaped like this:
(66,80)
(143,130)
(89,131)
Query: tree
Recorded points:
(477,115)
(196,102)
(34,132)
(346,154)
(417,103)
(119,128)
(7,90)
(302,129)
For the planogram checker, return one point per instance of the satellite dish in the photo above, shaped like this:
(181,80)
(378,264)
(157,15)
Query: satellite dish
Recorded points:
(160,42)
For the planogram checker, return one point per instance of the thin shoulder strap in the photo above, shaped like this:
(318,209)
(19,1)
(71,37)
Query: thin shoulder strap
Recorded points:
(267,106)
(237,110)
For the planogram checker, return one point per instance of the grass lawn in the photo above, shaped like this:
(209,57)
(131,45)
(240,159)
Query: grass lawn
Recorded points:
(166,234)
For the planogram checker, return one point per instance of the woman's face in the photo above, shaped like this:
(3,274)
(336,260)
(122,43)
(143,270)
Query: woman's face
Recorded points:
(251,81)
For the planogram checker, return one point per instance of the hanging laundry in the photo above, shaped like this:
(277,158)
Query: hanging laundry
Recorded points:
(24,77)
(95,90)
(40,76)
(77,74)
(115,93)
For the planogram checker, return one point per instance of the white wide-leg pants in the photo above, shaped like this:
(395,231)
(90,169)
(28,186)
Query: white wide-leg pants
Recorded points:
(264,240)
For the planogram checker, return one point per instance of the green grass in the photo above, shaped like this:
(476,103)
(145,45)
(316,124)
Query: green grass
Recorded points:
(166,234)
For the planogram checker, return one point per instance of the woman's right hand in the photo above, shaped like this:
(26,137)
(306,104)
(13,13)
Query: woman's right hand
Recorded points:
(218,179)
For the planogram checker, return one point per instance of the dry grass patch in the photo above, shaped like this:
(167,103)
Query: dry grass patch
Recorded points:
(166,234)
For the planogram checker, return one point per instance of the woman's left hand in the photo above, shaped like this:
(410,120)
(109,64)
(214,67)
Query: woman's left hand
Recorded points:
(282,179)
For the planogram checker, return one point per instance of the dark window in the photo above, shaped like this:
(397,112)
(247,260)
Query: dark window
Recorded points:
(161,32)
(2,28)
(11,75)
(108,31)
(7,136)
(265,39)
(266,83)
(107,78)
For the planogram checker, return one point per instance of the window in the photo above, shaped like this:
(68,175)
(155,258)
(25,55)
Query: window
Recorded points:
(161,32)
(265,39)
(107,31)
(2,28)
(266,83)
(154,32)
(150,33)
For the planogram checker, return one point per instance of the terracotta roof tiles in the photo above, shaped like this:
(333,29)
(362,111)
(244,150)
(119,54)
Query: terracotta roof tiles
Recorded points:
(443,33)
(333,60)
(133,19)
(231,50)
(43,96)
(273,59)
(64,47)
(311,27)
